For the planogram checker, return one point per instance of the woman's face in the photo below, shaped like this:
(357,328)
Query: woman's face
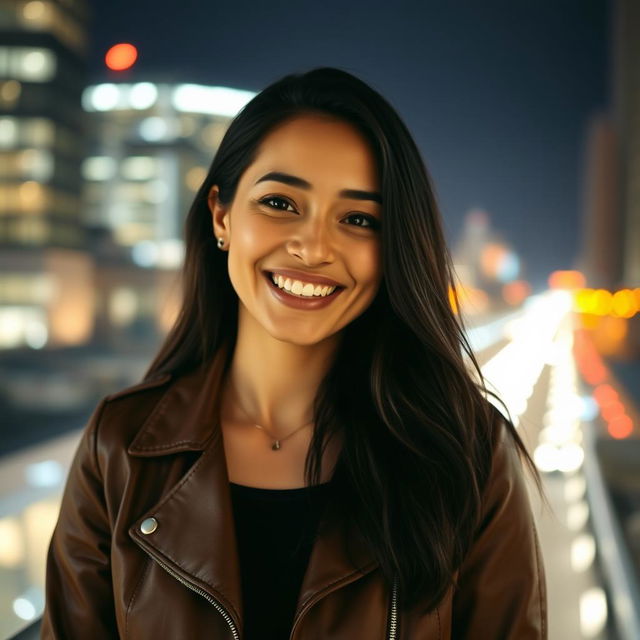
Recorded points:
(320,216)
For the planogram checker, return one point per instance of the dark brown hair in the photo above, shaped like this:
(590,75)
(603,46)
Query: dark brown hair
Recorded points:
(416,425)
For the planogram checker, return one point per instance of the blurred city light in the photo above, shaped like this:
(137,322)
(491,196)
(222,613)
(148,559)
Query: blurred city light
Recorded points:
(577,515)
(121,56)
(583,552)
(593,612)
(568,279)
(143,95)
(47,473)
(24,608)
(222,101)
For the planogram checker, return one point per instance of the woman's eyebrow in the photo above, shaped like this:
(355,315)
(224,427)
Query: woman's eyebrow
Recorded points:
(295,181)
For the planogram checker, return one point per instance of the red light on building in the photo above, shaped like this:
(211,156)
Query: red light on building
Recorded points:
(121,56)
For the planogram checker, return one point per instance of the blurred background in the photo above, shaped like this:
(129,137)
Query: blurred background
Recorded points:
(528,117)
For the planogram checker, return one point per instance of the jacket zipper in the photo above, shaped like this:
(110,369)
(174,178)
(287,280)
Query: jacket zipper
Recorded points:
(393,625)
(203,593)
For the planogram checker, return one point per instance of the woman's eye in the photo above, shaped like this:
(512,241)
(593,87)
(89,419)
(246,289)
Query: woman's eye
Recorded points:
(275,199)
(371,221)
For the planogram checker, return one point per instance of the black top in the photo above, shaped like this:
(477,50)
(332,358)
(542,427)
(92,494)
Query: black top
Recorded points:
(275,530)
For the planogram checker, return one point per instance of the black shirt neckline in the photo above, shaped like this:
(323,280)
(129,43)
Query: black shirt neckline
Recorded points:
(241,491)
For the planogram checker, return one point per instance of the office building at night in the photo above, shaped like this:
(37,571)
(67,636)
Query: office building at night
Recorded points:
(150,148)
(45,275)
(610,248)
(626,117)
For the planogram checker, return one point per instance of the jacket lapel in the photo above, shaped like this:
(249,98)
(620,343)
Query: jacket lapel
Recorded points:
(195,535)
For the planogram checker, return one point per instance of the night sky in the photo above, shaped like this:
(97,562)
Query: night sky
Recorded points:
(498,94)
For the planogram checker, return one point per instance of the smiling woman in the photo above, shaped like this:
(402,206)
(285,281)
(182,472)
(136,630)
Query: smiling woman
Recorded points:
(317,226)
(309,455)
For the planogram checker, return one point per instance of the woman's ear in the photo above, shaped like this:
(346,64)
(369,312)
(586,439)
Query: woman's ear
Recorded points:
(219,215)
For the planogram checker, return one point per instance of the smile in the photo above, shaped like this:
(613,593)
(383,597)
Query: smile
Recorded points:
(302,289)
(299,301)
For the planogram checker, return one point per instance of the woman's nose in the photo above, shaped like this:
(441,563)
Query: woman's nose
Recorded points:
(313,241)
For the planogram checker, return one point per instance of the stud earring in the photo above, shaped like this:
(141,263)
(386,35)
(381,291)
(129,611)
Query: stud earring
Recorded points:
(220,243)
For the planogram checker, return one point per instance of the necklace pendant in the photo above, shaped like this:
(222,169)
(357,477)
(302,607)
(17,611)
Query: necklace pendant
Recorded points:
(276,445)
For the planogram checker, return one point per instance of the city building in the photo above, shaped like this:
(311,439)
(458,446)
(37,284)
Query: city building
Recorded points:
(45,274)
(610,252)
(95,182)
(600,258)
(626,117)
(610,244)
(149,148)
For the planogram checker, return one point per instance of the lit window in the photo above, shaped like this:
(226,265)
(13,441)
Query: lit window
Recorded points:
(139,168)
(32,164)
(38,131)
(99,168)
(8,133)
(213,133)
(157,191)
(154,129)
(10,91)
(30,230)
(123,306)
(36,12)
(32,196)
(102,97)
(195,177)
(143,95)
(36,164)
(145,253)
(27,63)
(15,132)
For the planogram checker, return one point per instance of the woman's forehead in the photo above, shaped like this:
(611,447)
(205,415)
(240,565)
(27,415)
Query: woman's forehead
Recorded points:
(308,158)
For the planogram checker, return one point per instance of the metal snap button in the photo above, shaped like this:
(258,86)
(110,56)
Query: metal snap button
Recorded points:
(149,525)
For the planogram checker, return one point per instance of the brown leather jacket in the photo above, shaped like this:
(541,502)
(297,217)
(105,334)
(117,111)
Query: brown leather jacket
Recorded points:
(144,546)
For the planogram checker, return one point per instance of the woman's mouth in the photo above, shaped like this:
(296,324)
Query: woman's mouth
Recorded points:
(300,301)
(331,289)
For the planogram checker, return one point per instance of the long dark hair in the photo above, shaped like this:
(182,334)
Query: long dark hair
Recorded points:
(416,425)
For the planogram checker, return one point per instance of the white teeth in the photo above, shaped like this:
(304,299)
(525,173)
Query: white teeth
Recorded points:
(301,289)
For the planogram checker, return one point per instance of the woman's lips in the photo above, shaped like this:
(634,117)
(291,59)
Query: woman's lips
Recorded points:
(269,275)
(300,302)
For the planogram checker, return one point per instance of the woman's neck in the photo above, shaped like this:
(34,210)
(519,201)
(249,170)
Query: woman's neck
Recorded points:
(273,383)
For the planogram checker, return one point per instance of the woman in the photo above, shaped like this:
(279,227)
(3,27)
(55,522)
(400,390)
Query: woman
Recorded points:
(309,455)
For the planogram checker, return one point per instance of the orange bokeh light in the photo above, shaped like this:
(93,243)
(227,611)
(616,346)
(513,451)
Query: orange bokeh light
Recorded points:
(620,427)
(516,291)
(121,56)
(612,410)
(605,394)
(567,279)
(491,257)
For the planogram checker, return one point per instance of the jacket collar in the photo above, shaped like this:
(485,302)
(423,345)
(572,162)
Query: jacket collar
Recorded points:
(195,534)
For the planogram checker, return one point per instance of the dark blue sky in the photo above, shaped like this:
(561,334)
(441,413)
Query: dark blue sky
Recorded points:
(497,93)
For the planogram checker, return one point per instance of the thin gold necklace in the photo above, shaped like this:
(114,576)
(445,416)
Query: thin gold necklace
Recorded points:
(276,441)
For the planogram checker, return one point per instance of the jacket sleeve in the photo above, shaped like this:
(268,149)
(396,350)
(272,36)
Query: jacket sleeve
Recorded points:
(501,591)
(78,589)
